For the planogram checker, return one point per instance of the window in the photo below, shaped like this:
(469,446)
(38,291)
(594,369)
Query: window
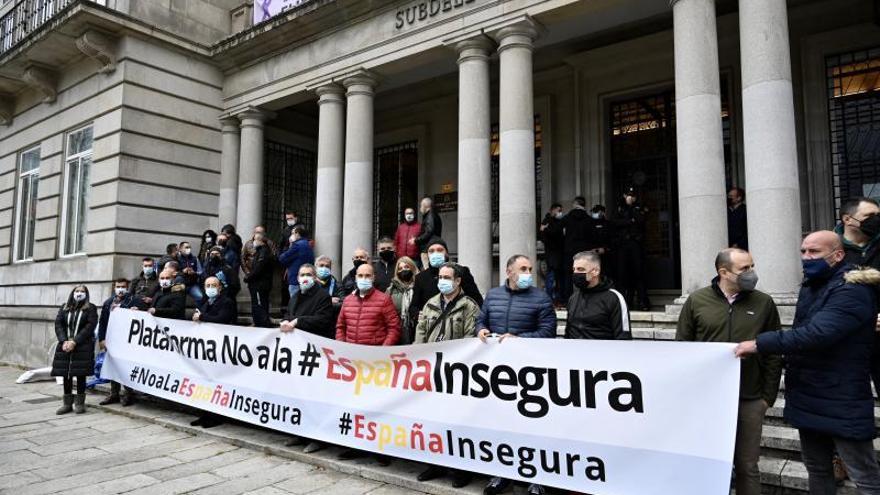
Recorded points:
(76,191)
(26,206)
(853,82)
(395,175)
(289,183)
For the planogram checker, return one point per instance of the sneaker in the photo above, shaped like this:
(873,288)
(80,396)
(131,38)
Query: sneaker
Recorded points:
(431,473)
(535,489)
(111,399)
(497,485)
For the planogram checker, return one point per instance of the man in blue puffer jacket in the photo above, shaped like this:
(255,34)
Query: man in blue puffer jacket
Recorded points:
(516,309)
(828,362)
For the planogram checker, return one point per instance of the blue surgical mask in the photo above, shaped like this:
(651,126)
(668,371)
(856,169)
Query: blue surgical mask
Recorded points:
(445,286)
(306,283)
(148,270)
(436,259)
(364,284)
(323,272)
(524,281)
(212,292)
(816,268)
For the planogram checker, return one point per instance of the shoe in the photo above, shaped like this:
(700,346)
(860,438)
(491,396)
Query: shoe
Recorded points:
(197,422)
(496,486)
(212,420)
(431,473)
(294,441)
(535,490)
(67,404)
(127,400)
(349,454)
(111,399)
(383,460)
(313,446)
(460,478)
(79,403)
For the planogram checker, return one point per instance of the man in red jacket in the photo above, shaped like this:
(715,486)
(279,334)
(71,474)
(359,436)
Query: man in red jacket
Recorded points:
(408,231)
(367,317)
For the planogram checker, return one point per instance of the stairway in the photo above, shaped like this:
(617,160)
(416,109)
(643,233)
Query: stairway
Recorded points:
(782,472)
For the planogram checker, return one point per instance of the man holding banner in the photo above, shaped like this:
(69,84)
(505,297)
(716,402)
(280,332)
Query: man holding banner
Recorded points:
(828,355)
(731,310)
(516,309)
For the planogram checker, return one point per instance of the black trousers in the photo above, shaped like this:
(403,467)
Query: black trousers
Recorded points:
(80,385)
(631,273)
(260,307)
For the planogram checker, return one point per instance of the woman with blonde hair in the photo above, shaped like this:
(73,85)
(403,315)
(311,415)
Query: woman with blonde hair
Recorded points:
(400,290)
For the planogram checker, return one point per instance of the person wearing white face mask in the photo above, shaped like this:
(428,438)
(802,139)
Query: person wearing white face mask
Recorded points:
(310,310)
(216,307)
(516,309)
(145,285)
(121,298)
(425,286)
(260,261)
(191,270)
(170,300)
(75,353)
(297,254)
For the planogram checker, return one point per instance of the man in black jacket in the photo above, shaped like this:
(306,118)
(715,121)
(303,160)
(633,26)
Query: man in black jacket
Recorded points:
(216,307)
(737,219)
(170,299)
(595,311)
(218,267)
(310,309)
(552,234)
(145,285)
(349,281)
(629,224)
(121,298)
(259,280)
(432,226)
(425,285)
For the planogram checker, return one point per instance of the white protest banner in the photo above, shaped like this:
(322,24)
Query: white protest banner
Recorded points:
(267,9)
(607,418)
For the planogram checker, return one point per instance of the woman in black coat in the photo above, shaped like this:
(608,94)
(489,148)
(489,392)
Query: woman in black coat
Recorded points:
(75,354)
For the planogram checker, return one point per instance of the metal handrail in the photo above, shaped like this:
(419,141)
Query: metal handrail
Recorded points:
(25,17)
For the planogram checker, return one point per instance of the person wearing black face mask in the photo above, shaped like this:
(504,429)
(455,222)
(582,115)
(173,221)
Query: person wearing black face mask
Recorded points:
(731,310)
(349,281)
(595,310)
(401,291)
(828,354)
(384,267)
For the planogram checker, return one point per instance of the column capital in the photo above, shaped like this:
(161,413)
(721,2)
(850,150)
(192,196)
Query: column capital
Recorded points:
(229,124)
(361,82)
(521,33)
(478,47)
(330,93)
(253,117)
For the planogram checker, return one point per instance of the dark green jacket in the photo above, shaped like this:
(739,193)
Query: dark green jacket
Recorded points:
(708,317)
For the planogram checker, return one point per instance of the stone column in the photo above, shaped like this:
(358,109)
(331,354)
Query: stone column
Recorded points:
(328,201)
(702,197)
(229,155)
(474,160)
(772,185)
(250,176)
(357,211)
(516,124)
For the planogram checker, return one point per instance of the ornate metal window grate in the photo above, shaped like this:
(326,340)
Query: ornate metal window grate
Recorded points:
(289,184)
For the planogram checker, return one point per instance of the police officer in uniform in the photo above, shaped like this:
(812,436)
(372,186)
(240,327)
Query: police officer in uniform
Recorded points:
(629,224)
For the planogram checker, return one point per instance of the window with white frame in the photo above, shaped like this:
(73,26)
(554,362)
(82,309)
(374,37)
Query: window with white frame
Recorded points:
(76,191)
(26,205)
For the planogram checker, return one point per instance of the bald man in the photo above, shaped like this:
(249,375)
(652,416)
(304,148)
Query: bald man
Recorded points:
(828,361)
(170,300)
(349,281)
(216,307)
(368,316)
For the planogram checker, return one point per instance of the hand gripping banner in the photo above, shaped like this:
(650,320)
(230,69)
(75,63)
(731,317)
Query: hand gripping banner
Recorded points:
(607,418)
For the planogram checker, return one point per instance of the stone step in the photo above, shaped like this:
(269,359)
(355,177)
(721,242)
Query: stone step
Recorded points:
(784,476)
(785,440)
(776,411)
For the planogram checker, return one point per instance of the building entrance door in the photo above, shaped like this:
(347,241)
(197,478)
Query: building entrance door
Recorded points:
(396,179)
(642,138)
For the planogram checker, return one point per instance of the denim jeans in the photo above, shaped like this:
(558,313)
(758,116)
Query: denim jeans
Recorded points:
(817,450)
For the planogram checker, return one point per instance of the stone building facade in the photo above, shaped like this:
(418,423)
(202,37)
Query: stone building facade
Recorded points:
(129,124)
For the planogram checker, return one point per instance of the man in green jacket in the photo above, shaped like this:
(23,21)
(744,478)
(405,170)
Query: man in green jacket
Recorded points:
(447,316)
(731,310)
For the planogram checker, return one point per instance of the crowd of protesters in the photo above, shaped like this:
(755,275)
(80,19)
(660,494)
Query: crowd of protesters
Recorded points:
(412,293)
